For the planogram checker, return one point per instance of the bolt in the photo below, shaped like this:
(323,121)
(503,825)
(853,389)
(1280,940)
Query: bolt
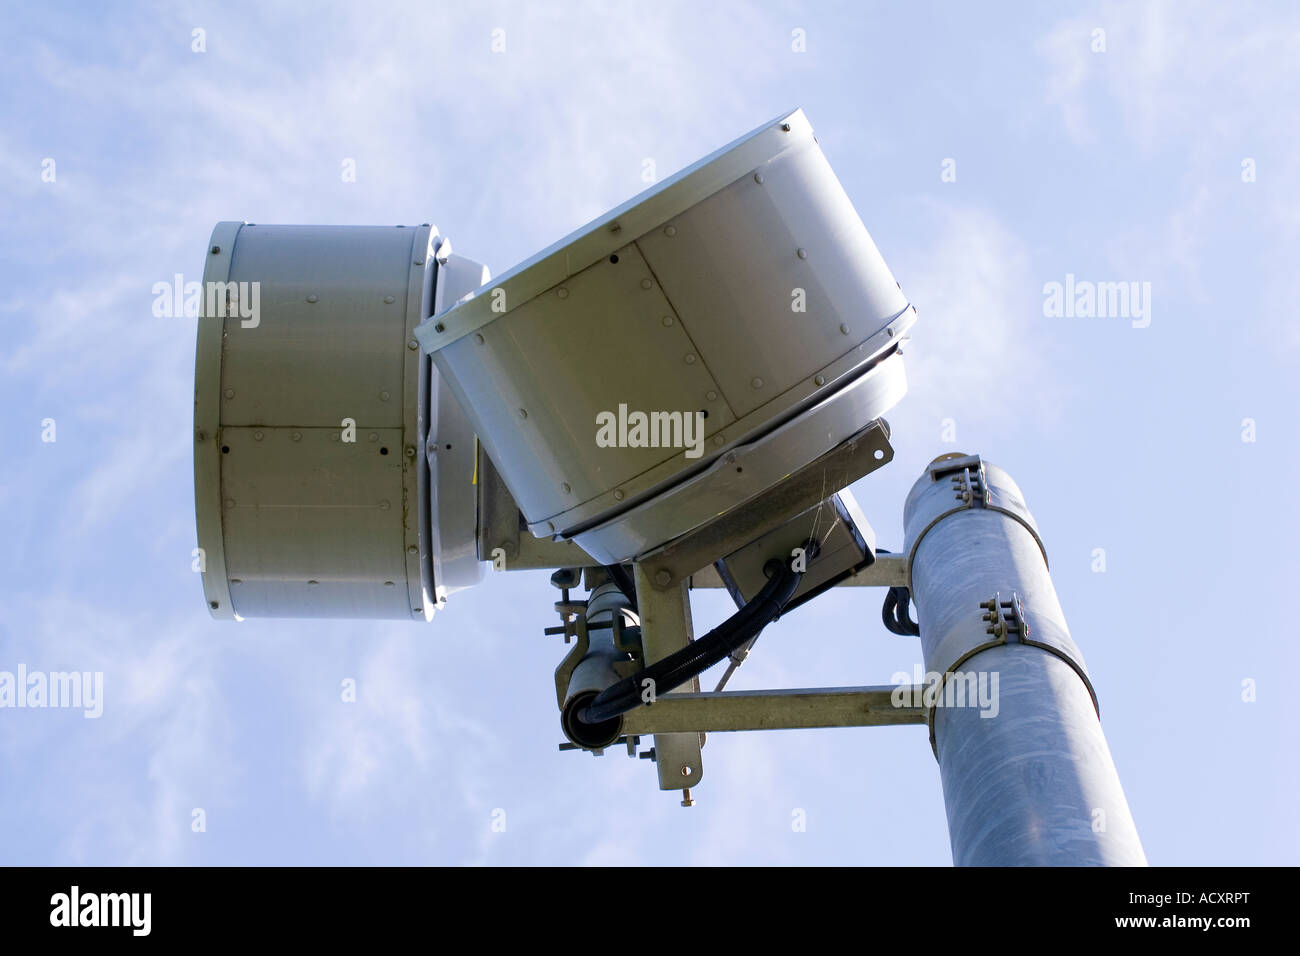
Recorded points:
(667,320)
(758,178)
(230,393)
(686,770)
(844,328)
(388,300)
(523,413)
(216,250)
(819,380)
(412,549)
(257,436)
(690,358)
(619,494)
(670,231)
(478,337)
(687,800)
(297,436)
(756,382)
(663,578)
(562,292)
(313,298)
(564,487)
(383,506)
(801,253)
(384,396)
(412,345)
(646,283)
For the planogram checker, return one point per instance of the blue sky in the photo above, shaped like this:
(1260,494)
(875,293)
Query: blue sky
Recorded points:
(1122,164)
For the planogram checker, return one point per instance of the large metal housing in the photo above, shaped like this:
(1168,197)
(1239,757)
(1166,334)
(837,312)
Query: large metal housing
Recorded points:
(295,518)
(745,287)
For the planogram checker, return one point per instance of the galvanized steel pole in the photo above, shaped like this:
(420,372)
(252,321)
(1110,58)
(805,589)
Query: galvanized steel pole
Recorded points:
(1027,776)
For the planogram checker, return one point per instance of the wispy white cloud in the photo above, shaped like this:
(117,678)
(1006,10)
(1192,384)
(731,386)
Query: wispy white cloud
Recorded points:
(131,776)
(979,311)
(1173,68)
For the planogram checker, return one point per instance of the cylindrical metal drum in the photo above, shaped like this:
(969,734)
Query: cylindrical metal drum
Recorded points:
(311,415)
(620,379)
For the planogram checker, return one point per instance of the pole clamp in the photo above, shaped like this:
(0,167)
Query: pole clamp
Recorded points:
(1005,617)
(971,488)
(1005,623)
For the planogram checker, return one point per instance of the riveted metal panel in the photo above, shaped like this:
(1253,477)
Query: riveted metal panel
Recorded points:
(646,363)
(313,524)
(331,343)
(791,256)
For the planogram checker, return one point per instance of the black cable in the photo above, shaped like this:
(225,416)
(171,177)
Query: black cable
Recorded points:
(896,612)
(698,656)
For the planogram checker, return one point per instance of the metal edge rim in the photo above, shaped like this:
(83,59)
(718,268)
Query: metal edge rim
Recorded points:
(887,375)
(208,511)
(419,566)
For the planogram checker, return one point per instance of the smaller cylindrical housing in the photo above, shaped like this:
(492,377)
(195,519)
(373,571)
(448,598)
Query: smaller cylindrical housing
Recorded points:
(596,671)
